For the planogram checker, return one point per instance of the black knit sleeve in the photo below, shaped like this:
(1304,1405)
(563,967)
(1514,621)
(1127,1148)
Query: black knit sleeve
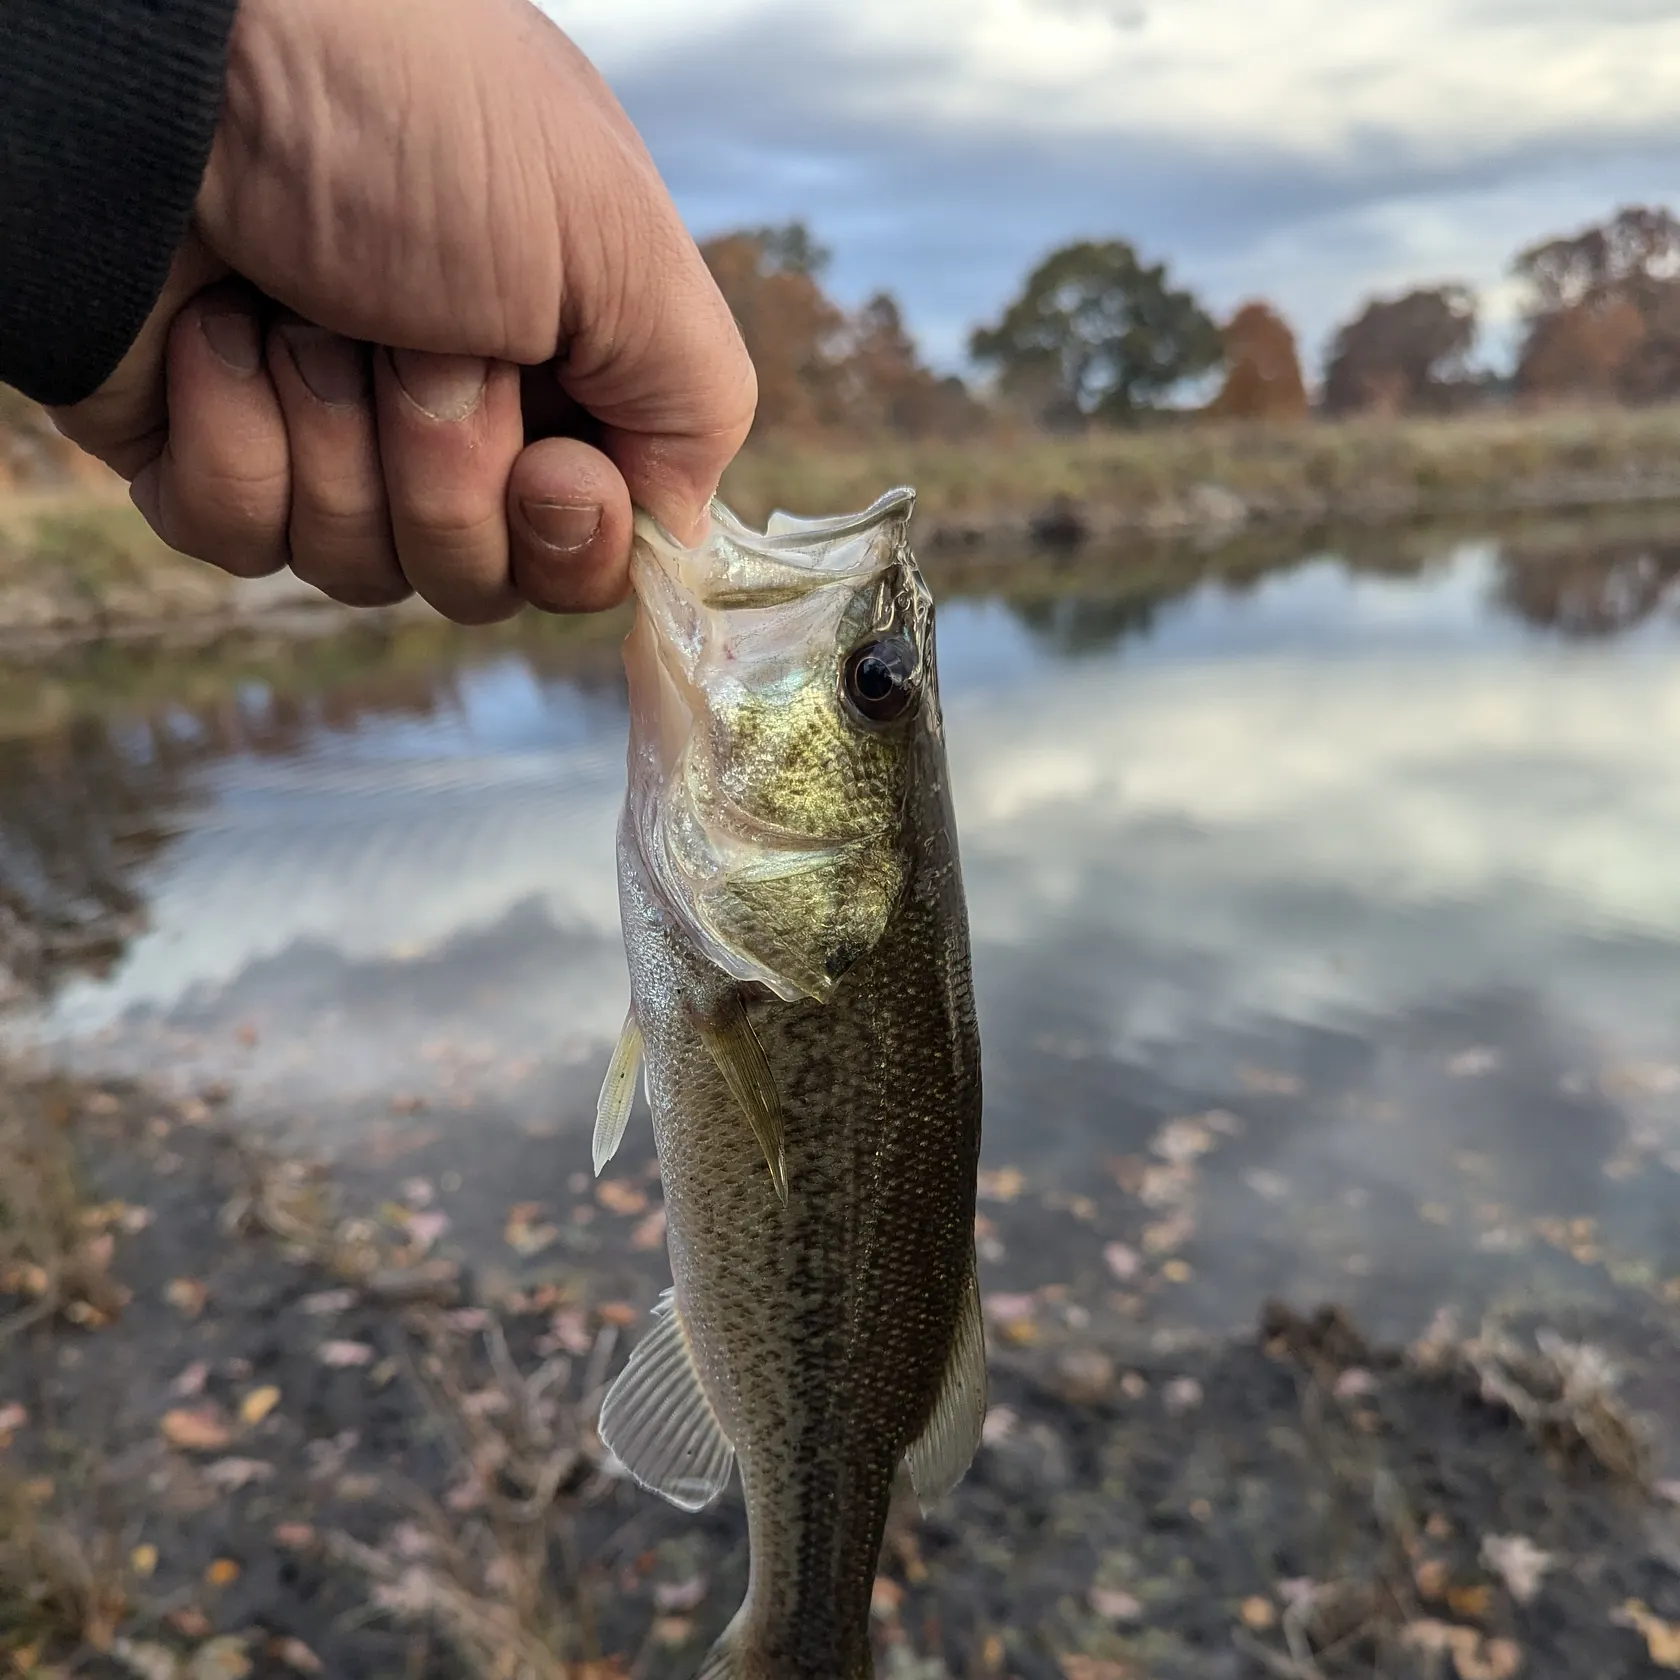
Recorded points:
(107,111)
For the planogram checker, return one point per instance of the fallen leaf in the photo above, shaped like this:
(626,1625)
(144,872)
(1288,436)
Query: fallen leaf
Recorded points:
(523,1235)
(231,1474)
(1432,1578)
(187,1296)
(190,1384)
(649,1233)
(222,1573)
(1469,1602)
(258,1404)
(1181,1141)
(1115,1606)
(294,1536)
(619,1313)
(1010,1309)
(143,1560)
(327,1302)
(672,1631)
(12,1419)
(1472,1657)
(344,1355)
(569,1330)
(424,1229)
(1182,1394)
(1122,1261)
(221,1659)
(1178,1271)
(885,1599)
(1001,1184)
(200,1429)
(619,1195)
(1518,1562)
(1662,1639)
(192,1622)
(1257,1613)
(1076,1667)
(147,1659)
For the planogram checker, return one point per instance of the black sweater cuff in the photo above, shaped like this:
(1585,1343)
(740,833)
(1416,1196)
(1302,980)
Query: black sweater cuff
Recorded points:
(107,112)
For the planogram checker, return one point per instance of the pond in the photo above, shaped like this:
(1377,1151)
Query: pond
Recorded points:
(1325,896)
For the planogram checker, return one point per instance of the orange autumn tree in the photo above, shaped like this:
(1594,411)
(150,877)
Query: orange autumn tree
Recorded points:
(821,370)
(1263,370)
(771,280)
(1604,315)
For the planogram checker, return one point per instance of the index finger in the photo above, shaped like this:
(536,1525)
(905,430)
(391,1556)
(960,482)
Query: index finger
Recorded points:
(656,356)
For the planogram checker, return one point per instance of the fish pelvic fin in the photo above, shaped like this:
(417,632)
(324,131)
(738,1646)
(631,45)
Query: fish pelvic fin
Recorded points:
(940,1456)
(658,1422)
(733,1658)
(728,1036)
(618,1093)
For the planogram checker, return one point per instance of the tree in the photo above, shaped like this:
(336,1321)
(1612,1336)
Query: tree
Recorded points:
(1403,353)
(1637,249)
(792,330)
(1263,372)
(819,369)
(890,388)
(1097,334)
(1583,350)
(1604,313)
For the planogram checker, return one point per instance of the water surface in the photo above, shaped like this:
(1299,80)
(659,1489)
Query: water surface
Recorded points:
(1360,861)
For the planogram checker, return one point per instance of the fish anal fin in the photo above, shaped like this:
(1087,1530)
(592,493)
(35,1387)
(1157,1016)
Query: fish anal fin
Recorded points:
(660,1425)
(941,1455)
(727,1033)
(618,1093)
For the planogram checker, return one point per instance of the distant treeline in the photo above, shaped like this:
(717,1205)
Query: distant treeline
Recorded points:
(1098,335)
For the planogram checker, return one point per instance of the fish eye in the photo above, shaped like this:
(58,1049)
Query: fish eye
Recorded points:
(879,680)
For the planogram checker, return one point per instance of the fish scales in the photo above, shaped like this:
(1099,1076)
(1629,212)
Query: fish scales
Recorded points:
(826,1315)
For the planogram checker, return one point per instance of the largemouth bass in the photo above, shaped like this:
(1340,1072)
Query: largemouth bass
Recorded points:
(801,1004)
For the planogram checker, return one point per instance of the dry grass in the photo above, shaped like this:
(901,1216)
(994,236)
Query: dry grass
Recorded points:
(55,1247)
(76,558)
(57,1592)
(484,1574)
(1310,470)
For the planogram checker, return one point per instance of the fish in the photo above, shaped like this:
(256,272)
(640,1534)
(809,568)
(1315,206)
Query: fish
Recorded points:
(802,1014)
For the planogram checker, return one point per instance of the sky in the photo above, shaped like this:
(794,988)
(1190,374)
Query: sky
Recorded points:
(1309,151)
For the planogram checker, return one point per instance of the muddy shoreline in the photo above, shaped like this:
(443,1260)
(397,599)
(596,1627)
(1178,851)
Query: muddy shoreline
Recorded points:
(256,1422)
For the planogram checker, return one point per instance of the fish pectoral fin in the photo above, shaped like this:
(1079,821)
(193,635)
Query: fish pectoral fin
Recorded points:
(729,1037)
(941,1455)
(618,1093)
(657,1420)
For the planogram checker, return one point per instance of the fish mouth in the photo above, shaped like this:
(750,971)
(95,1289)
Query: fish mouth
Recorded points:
(743,601)
(738,568)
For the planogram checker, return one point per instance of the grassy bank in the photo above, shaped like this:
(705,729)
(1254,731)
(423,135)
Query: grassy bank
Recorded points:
(1184,478)
(77,561)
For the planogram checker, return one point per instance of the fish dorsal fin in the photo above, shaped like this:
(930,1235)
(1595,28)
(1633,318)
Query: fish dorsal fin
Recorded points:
(942,1453)
(728,1034)
(657,1420)
(618,1092)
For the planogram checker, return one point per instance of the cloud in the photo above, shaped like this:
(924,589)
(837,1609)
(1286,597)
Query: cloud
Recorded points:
(1303,149)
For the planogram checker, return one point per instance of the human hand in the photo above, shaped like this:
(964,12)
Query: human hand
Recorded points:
(456,181)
